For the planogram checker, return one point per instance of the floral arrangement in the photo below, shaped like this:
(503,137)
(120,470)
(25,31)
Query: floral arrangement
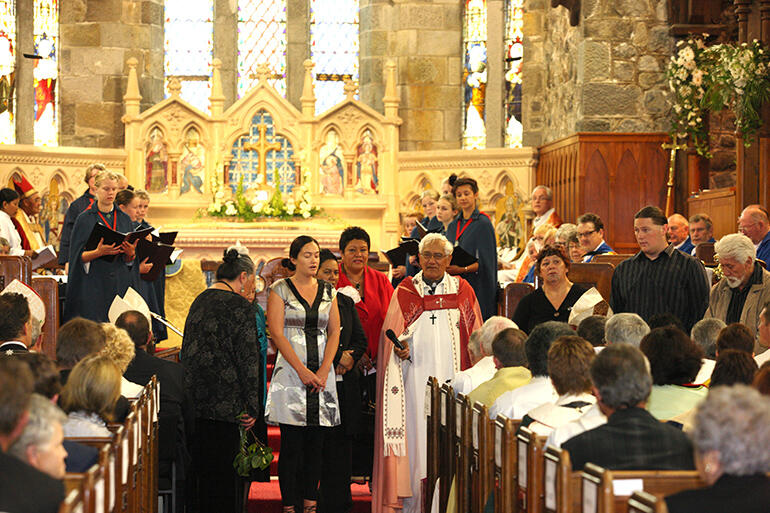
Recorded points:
(239,206)
(254,455)
(704,78)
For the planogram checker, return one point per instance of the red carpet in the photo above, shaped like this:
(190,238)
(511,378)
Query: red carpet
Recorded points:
(266,497)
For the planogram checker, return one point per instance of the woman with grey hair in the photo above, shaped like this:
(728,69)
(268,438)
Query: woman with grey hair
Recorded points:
(732,454)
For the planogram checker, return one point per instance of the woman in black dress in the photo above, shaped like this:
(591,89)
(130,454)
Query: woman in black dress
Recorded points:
(554,299)
(221,360)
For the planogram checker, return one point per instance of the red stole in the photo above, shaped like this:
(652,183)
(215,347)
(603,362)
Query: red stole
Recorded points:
(373,306)
(24,240)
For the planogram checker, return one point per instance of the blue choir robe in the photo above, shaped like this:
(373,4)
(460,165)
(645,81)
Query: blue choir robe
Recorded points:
(530,277)
(90,294)
(478,239)
(600,250)
(432,224)
(687,246)
(76,208)
(153,293)
(763,250)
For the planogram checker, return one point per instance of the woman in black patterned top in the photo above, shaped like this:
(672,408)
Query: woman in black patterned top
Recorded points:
(221,359)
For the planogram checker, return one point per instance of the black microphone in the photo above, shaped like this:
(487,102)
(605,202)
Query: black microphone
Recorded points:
(396,342)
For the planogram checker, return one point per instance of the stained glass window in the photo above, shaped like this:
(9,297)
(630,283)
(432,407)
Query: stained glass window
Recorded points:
(7,75)
(514,53)
(189,47)
(475,74)
(261,41)
(45,74)
(333,48)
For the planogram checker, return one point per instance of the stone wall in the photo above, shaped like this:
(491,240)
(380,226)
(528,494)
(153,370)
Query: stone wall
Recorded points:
(605,75)
(97,37)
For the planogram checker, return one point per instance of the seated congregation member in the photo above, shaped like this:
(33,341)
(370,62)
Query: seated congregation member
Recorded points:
(763,336)
(40,444)
(19,331)
(473,231)
(701,230)
(659,278)
(705,334)
(90,396)
(80,204)
(76,339)
(80,457)
(517,403)
(735,336)
(625,328)
(674,362)
(94,281)
(745,288)
(754,224)
(569,364)
(632,439)
(678,233)
(592,329)
(304,322)
(762,379)
(564,233)
(542,236)
(542,205)
(337,458)
(120,349)
(511,364)
(23,488)
(732,445)
(433,316)
(733,366)
(590,232)
(5,247)
(484,368)
(9,204)
(554,299)
(526,273)
(221,360)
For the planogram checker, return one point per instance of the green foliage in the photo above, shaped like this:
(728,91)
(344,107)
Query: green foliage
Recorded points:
(254,455)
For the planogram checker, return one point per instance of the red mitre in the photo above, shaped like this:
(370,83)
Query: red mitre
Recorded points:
(23,187)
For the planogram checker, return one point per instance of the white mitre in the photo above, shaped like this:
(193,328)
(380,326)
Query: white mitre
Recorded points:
(130,301)
(36,305)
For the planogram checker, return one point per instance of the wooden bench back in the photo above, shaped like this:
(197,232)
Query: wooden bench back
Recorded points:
(511,296)
(14,268)
(432,409)
(593,275)
(48,289)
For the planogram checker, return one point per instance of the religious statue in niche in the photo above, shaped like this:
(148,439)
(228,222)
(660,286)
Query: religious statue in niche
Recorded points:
(52,211)
(156,162)
(332,173)
(192,163)
(510,226)
(367,178)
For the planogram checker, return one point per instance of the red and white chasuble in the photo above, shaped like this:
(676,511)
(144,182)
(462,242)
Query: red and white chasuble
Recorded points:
(437,328)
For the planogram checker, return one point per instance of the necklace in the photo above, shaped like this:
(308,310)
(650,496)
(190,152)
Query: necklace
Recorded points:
(225,284)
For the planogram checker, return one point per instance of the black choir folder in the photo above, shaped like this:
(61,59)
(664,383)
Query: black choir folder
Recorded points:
(156,254)
(111,236)
(397,256)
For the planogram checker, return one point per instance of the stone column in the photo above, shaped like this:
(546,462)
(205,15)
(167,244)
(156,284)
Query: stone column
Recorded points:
(297,48)
(25,94)
(97,38)
(495,118)
(226,47)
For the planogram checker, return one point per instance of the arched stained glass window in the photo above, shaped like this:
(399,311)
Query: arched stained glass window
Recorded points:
(334,48)
(514,53)
(7,67)
(475,74)
(189,47)
(45,72)
(261,40)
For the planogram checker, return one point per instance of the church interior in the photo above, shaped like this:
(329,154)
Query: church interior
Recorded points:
(257,121)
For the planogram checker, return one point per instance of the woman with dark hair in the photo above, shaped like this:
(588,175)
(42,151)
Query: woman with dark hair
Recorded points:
(473,231)
(733,366)
(334,493)
(304,323)
(9,204)
(554,299)
(221,360)
(674,362)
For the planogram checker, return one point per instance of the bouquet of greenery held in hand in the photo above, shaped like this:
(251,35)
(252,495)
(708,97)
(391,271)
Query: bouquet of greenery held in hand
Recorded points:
(254,455)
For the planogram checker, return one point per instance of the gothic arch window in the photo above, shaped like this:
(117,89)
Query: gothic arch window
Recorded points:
(475,74)
(189,46)
(514,53)
(7,68)
(334,48)
(45,72)
(261,41)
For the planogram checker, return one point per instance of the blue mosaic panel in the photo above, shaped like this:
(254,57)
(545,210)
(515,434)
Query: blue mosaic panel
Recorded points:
(278,161)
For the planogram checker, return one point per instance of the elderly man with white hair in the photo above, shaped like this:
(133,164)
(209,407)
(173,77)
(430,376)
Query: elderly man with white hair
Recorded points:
(485,368)
(745,288)
(432,315)
(625,328)
(40,444)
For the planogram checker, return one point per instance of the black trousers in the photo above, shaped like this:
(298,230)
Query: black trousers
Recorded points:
(334,495)
(299,463)
(219,487)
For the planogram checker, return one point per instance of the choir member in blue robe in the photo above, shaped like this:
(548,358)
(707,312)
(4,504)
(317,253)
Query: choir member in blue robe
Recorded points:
(430,222)
(77,207)
(91,291)
(473,231)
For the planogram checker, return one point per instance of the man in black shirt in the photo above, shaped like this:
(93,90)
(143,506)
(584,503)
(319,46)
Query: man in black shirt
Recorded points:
(659,278)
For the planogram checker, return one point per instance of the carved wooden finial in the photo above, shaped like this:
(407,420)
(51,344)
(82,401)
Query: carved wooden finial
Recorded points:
(350,89)
(174,86)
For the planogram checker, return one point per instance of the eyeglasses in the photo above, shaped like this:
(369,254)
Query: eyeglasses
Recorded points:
(585,234)
(434,256)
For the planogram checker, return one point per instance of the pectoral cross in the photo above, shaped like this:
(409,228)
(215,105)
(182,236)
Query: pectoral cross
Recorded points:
(671,169)
(262,147)
(433,318)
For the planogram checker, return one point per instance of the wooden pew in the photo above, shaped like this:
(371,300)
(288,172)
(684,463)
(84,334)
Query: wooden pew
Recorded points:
(593,275)
(656,482)
(505,463)
(48,289)
(14,267)
(482,456)
(611,259)
(433,446)
(73,502)
(511,296)
(561,486)
(529,461)
(643,502)
(462,451)
(446,457)
(103,493)
(706,254)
